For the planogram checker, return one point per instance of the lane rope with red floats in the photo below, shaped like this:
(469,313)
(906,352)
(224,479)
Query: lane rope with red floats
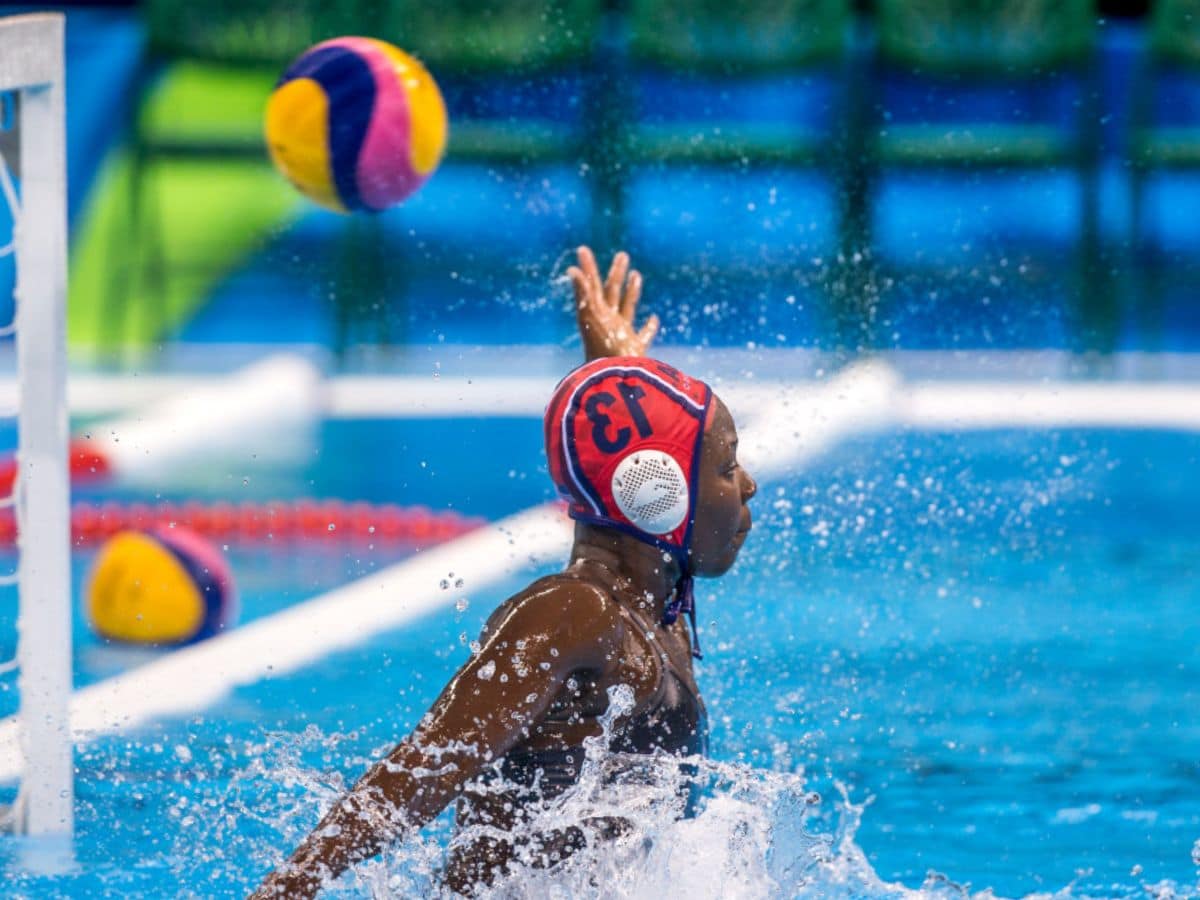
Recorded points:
(275,522)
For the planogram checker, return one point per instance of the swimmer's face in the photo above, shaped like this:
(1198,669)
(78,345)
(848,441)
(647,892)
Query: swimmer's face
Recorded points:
(722,517)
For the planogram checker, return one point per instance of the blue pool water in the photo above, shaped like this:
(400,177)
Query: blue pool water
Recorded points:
(988,639)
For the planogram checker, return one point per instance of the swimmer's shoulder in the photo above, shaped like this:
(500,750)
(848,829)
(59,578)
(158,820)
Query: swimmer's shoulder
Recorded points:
(573,609)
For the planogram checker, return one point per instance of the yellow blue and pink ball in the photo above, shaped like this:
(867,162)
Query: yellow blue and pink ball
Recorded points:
(356,124)
(165,587)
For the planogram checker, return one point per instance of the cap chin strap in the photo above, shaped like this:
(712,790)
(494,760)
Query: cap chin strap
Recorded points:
(684,601)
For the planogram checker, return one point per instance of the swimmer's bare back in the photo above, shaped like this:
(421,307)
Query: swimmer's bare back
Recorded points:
(537,685)
(667,716)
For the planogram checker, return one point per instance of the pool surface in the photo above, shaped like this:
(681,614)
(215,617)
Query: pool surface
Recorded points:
(386,461)
(987,639)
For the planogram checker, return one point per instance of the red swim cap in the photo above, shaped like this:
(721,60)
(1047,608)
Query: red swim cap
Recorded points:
(623,441)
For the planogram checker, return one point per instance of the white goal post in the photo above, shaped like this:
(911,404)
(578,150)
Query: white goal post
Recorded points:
(32,70)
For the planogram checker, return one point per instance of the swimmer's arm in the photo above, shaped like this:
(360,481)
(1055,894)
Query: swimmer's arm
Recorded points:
(605,311)
(484,711)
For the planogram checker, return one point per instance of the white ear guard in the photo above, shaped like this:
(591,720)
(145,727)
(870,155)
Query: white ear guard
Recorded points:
(651,491)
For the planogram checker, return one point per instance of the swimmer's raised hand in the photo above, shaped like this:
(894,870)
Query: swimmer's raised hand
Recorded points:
(605,310)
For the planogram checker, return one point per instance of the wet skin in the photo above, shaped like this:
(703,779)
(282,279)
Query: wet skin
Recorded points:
(560,644)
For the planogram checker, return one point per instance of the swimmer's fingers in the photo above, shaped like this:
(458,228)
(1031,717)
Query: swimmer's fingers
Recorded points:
(579,284)
(586,299)
(587,264)
(614,284)
(605,311)
(648,332)
(633,293)
(589,315)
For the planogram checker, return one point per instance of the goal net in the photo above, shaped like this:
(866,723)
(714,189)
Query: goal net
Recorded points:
(33,246)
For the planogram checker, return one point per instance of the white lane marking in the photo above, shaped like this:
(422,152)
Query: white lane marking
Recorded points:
(258,408)
(794,425)
(364,397)
(1047,401)
(962,405)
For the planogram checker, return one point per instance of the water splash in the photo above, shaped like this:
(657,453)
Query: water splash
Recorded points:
(753,834)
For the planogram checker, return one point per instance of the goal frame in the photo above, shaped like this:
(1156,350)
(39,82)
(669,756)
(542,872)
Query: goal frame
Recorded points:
(32,65)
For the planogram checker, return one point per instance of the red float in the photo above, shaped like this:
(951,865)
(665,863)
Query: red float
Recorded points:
(276,522)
